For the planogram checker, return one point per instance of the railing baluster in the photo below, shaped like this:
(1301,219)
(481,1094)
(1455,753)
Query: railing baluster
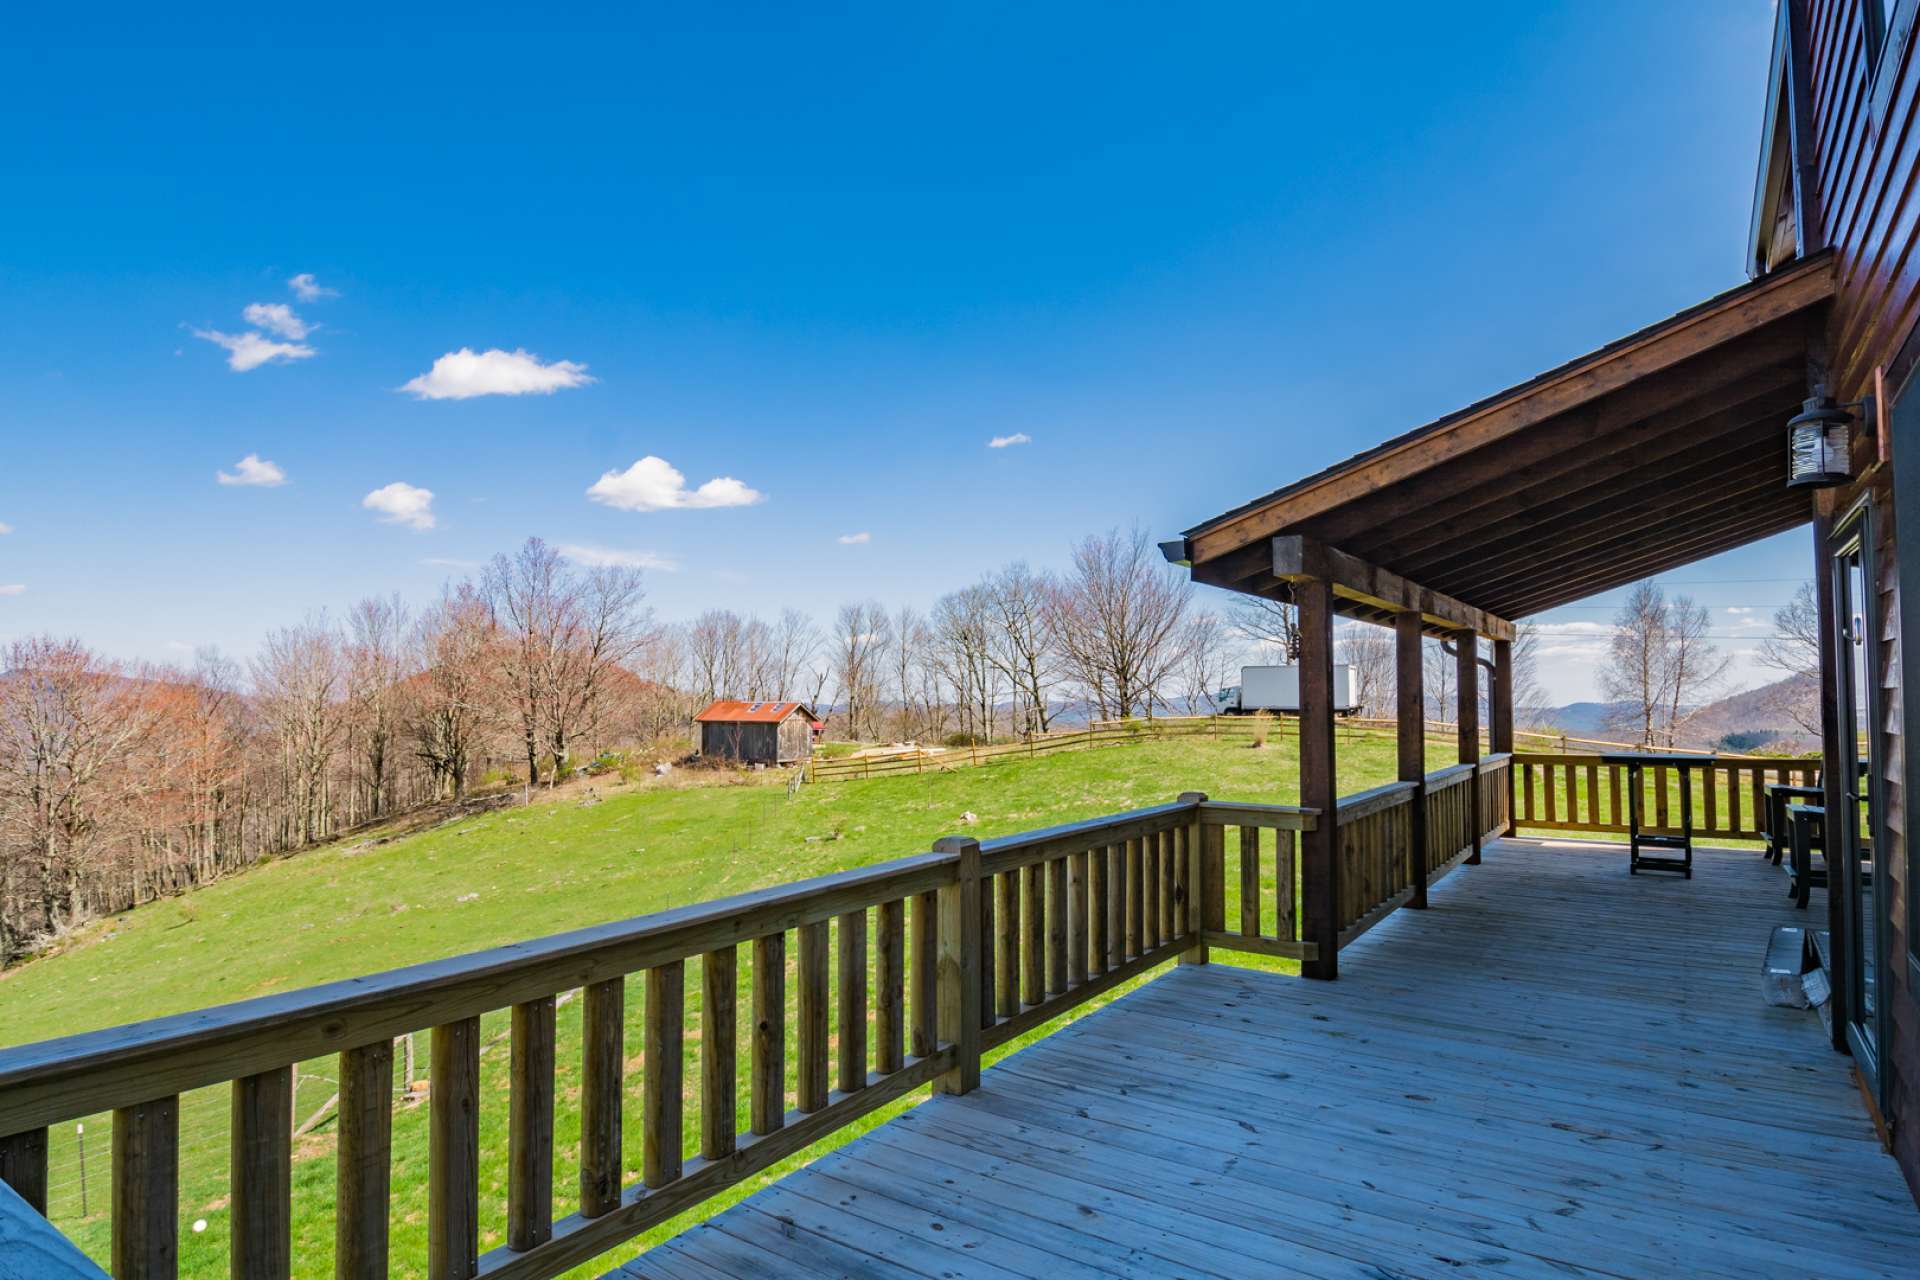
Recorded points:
(1056,926)
(146,1180)
(719,1054)
(1116,855)
(453,1152)
(1008,927)
(662,1108)
(1076,870)
(1250,881)
(362,1168)
(1286,912)
(530,1125)
(260,1174)
(1169,885)
(1150,885)
(603,1063)
(853,1001)
(1033,928)
(23,1166)
(987,975)
(889,986)
(811,1085)
(1097,894)
(1136,914)
(926,964)
(769,1103)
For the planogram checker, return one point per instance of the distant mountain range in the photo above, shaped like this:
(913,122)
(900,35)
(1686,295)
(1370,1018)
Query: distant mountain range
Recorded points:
(1744,721)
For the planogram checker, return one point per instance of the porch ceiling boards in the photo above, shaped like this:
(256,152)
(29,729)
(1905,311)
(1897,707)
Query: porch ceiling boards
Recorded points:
(1659,449)
(1556,1070)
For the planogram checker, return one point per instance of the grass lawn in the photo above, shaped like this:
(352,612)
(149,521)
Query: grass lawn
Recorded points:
(352,909)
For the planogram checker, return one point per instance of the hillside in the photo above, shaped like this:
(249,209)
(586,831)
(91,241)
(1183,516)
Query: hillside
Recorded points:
(1758,717)
(352,908)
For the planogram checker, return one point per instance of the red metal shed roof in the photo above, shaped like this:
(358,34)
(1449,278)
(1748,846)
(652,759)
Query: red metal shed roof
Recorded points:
(733,710)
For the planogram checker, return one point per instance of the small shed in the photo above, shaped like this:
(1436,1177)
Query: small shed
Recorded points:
(756,732)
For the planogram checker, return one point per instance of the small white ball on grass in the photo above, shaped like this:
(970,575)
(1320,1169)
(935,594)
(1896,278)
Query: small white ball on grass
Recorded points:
(199,1225)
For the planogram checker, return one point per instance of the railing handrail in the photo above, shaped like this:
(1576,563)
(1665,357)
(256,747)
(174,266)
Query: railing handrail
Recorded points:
(1285,817)
(1719,758)
(1373,799)
(93,1071)
(1007,852)
(1449,776)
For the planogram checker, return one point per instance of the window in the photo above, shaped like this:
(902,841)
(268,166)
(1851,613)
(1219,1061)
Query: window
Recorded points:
(1889,25)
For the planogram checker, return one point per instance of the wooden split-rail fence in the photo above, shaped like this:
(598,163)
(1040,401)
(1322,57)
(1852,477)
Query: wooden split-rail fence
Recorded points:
(906,973)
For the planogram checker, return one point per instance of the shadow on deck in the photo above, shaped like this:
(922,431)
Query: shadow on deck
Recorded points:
(1557,1070)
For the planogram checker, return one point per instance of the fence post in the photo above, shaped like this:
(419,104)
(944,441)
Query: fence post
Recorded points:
(958,971)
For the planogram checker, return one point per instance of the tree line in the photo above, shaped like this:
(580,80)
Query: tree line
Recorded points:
(121,782)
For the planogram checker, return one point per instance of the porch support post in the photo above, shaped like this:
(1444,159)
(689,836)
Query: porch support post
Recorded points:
(1836,764)
(1467,655)
(1500,705)
(1410,695)
(1320,869)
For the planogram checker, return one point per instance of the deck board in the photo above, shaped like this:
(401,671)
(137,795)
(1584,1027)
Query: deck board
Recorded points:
(1557,1070)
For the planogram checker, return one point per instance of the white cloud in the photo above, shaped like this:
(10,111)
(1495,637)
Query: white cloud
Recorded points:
(1738,609)
(12,588)
(462,374)
(652,484)
(276,317)
(5,528)
(855,539)
(1001,442)
(615,558)
(251,350)
(253,470)
(400,503)
(307,289)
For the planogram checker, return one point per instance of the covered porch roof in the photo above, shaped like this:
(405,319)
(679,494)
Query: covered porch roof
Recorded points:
(1658,449)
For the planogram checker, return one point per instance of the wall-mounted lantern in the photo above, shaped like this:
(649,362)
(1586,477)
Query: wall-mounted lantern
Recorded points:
(1820,444)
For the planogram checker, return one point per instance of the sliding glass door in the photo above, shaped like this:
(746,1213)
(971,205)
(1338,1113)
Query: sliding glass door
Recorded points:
(1850,839)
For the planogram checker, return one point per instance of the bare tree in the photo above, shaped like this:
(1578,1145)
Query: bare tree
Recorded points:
(1368,651)
(1271,624)
(795,646)
(1695,668)
(906,661)
(963,630)
(1439,671)
(861,636)
(298,680)
(1023,644)
(1637,675)
(1529,696)
(1794,651)
(448,706)
(603,624)
(527,594)
(1208,652)
(1120,617)
(375,656)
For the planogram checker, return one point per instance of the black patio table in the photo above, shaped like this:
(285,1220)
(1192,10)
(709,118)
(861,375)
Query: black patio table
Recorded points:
(1667,844)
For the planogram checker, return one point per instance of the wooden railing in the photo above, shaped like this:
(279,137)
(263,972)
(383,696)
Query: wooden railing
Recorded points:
(1555,792)
(920,965)
(1266,922)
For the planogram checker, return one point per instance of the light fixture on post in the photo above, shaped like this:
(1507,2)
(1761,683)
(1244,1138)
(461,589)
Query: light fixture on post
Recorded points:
(1820,444)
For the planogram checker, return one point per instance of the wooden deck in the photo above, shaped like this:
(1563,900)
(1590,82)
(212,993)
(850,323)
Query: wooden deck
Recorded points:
(1557,1070)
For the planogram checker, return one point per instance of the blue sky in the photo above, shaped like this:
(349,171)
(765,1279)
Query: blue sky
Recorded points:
(1188,254)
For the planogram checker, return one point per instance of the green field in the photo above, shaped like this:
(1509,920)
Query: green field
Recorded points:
(359,907)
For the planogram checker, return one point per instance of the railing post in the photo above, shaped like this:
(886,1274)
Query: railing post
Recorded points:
(958,973)
(1202,875)
(1410,694)
(1467,654)
(1500,705)
(1319,867)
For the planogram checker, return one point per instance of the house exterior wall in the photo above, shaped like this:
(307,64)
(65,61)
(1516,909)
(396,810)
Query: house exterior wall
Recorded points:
(1859,115)
(757,743)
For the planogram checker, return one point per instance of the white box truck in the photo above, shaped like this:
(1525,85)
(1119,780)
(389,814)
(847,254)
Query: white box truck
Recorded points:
(1277,689)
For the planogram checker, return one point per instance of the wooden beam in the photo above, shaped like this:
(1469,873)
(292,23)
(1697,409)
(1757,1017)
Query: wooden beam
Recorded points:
(1528,501)
(1659,347)
(1319,867)
(1410,695)
(1625,423)
(1649,554)
(1296,558)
